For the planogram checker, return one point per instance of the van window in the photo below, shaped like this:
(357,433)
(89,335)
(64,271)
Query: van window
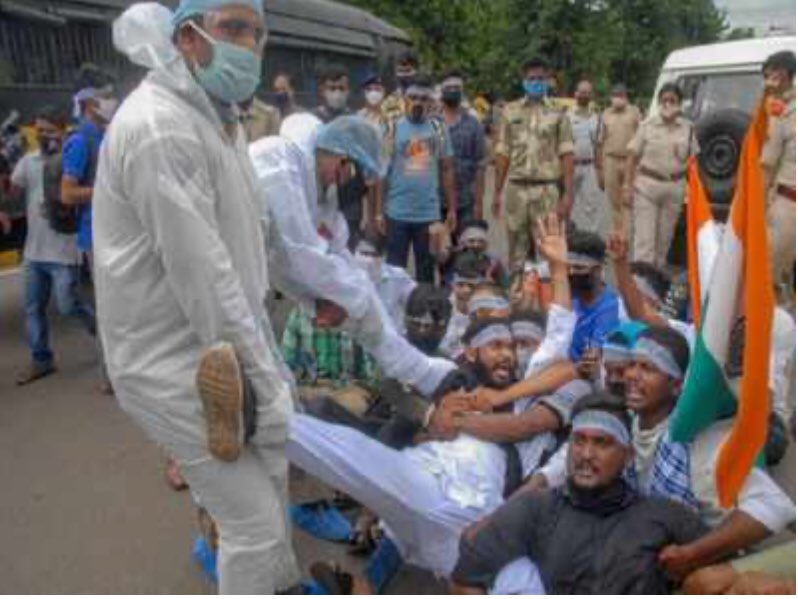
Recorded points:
(704,94)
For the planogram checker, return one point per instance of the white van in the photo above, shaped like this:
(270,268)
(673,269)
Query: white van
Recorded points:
(721,84)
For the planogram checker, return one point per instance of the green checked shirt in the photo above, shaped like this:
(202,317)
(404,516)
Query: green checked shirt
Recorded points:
(313,353)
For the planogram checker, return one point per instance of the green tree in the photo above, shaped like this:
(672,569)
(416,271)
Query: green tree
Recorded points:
(606,40)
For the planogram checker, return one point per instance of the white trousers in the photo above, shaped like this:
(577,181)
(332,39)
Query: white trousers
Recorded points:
(424,523)
(248,500)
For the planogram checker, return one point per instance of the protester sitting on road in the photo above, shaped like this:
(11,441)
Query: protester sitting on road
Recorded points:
(596,518)
(685,472)
(51,256)
(473,239)
(393,284)
(427,494)
(595,303)
(469,272)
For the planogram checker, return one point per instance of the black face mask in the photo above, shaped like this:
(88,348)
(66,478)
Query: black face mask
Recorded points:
(618,389)
(403,81)
(452,98)
(581,283)
(417,114)
(426,343)
(282,99)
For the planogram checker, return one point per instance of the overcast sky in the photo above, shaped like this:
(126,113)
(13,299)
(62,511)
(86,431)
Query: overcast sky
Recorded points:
(759,14)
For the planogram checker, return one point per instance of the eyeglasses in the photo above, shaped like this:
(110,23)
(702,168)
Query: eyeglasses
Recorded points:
(239,31)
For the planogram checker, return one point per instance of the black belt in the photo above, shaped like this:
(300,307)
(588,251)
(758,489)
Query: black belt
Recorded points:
(660,177)
(582,161)
(535,182)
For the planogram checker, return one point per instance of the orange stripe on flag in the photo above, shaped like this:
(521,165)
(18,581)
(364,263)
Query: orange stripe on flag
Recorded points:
(698,213)
(747,437)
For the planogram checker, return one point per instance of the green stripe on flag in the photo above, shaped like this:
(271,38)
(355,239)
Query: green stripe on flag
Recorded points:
(706,396)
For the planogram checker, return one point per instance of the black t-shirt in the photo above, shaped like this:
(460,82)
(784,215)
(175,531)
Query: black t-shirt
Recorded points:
(579,550)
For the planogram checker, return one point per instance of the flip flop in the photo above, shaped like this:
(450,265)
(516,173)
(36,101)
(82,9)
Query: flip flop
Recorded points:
(206,558)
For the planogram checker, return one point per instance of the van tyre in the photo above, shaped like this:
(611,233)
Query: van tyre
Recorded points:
(720,136)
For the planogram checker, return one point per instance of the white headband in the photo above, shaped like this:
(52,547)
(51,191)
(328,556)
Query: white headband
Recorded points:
(491,333)
(487,303)
(661,357)
(604,422)
(89,93)
(419,90)
(577,259)
(474,234)
(452,81)
(615,353)
(471,281)
(527,329)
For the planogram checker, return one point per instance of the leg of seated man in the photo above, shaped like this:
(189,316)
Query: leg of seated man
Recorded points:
(423,522)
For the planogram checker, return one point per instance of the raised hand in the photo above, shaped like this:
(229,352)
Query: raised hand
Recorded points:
(551,240)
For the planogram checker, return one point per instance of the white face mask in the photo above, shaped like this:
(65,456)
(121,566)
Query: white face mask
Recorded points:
(336,99)
(374,97)
(371,265)
(669,111)
(106,107)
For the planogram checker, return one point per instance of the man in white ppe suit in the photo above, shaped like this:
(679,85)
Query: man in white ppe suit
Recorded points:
(180,265)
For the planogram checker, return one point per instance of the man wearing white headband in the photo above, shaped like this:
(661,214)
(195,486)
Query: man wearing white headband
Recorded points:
(420,173)
(596,518)
(427,494)
(473,239)
(469,273)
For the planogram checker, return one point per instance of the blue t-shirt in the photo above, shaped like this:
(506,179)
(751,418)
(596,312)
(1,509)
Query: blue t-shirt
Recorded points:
(414,173)
(594,322)
(80,149)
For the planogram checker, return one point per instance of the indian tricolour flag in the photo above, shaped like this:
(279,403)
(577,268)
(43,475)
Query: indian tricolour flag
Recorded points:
(739,283)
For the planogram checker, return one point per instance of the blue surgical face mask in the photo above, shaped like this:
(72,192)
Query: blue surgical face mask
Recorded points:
(233,74)
(536,88)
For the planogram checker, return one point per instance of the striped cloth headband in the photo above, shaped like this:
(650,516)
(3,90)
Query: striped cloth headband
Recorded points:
(491,333)
(527,329)
(487,303)
(661,357)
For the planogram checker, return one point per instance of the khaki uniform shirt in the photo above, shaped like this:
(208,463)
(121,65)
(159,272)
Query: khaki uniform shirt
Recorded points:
(261,120)
(617,129)
(533,136)
(778,152)
(585,128)
(664,148)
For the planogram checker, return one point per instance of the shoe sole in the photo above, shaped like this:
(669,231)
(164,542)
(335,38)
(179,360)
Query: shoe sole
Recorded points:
(221,389)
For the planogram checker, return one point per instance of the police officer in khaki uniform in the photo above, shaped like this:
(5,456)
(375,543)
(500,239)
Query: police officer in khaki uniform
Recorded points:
(618,125)
(656,175)
(260,120)
(534,150)
(394,105)
(589,211)
(778,161)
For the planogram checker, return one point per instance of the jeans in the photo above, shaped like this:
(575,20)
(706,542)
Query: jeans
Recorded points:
(401,234)
(40,279)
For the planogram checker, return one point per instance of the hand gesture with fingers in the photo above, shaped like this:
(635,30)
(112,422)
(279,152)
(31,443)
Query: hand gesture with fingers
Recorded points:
(617,246)
(551,239)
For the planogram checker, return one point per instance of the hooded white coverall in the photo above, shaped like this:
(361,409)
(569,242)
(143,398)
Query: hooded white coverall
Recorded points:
(181,223)
(179,265)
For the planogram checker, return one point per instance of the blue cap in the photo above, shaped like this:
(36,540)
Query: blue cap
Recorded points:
(190,8)
(370,79)
(356,138)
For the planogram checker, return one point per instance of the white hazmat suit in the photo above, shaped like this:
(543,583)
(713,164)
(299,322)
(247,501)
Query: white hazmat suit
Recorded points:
(180,265)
